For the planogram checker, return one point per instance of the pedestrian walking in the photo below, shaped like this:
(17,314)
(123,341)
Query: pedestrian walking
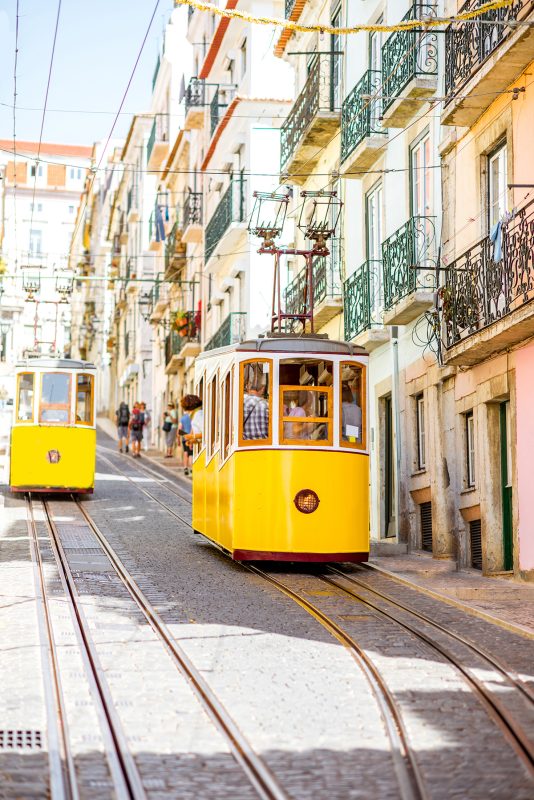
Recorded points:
(123,433)
(136,430)
(147,419)
(170,428)
(190,405)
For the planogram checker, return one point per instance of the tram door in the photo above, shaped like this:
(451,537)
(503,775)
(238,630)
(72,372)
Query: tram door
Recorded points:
(506,486)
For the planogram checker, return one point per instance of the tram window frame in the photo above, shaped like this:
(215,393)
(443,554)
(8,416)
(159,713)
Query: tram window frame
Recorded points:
(212,444)
(91,378)
(267,442)
(361,446)
(56,406)
(328,420)
(29,421)
(227,396)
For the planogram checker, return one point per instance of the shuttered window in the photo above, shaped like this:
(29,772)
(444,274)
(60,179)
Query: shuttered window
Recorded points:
(425,510)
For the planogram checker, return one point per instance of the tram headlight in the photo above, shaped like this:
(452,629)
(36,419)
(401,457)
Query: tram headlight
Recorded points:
(306,501)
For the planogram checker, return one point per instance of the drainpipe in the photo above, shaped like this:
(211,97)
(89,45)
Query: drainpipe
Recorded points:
(396,423)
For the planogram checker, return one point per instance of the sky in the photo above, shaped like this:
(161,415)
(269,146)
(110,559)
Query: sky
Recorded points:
(97,44)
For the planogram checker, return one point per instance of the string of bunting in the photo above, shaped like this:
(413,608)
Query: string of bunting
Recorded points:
(406,25)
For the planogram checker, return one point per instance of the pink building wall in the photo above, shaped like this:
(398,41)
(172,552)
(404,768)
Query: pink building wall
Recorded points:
(524,375)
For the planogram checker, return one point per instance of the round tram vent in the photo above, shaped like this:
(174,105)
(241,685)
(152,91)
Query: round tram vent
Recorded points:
(306,501)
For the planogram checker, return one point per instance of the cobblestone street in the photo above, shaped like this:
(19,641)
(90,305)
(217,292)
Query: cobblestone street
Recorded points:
(177,673)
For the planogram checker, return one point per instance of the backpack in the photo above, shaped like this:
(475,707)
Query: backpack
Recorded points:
(137,422)
(124,415)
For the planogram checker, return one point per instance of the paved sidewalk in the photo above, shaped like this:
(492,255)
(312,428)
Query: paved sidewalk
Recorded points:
(506,600)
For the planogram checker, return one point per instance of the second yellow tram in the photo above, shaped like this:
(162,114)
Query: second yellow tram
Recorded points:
(283,469)
(53,437)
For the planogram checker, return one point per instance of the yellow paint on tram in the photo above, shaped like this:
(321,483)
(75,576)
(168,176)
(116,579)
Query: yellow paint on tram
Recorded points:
(30,460)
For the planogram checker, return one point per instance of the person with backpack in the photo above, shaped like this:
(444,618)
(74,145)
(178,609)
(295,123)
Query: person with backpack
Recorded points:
(123,419)
(136,430)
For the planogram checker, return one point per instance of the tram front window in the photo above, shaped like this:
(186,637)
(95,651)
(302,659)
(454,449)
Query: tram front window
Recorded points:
(55,397)
(25,398)
(256,424)
(352,405)
(84,399)
(306,401)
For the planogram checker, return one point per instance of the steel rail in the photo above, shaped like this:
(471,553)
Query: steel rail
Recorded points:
(410,781)
(260,776)
(126,778)
(512,731)
(63,782)
(510,675)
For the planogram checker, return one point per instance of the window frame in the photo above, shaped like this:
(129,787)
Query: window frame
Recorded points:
(345,444)
(420,430)
(55,405)
(329,421)
(470,450)
(91,422)
(416,180)
(241,400)
(227,414)
(212,438)
(30,421)
(499,150)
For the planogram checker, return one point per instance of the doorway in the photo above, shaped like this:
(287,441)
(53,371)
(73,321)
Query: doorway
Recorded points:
(506,486)
(389,469)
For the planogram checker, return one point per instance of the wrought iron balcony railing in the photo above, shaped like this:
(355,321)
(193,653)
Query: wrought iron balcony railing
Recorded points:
(408,258)
(195,94)
(468,44)
(326,281)
(232,330)
(192,209)
(409,54)
(480,289)
(318,95)
(290,5)
(231,209)
(151,141)
(362,299)
(361,112)
(173,246)
(176,340)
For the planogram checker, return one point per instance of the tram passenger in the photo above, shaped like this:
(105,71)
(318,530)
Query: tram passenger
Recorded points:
(351,416)
(255,409)
(296,402)
(123,432)
(191,405)
(197,424)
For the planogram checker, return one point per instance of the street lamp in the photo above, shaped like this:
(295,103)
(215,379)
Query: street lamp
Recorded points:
(268,218)
(31,285)
(319,216)
(64,287)
(146,305)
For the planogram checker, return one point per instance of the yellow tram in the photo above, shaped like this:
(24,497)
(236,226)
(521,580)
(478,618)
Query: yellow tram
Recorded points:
(283,469)
(53,438)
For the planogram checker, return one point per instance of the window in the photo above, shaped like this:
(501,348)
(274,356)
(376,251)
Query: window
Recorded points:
(36,242)
(26,382)
(213,421)
(335,61)
(227,416)
(421,178)
(84,399)
(55,397)
(40,171)
(71,209)
(3,346)
(470,449)
(33,171)
(255,422)
(75,173)
(420,431)
(375,65)
(306,402)
(497,179)
(243,58)
(352,405)
(374,226)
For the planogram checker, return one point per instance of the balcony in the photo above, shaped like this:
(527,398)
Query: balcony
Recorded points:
(227,222)
(160,301)
(232,330)
(192,217)
(311,123)
(174,251)
(195,103)
(130,275)
(362,134)
(327,288)
(182,344)
(483,58)
(363,305)
(132,204)
(409,271)
(157,148)
(409,70)
(486,304)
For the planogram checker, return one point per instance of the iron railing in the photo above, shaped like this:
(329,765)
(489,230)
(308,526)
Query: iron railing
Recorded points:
(192,209)
(151,141)
(326,281)
(408,258)
(195,94)
(482,288)
(363,300)
(290,5)
(318,95)
(409,54)
(232,330)
(176,340)
(468,44)
(231,209)
(361,112)
(173,247)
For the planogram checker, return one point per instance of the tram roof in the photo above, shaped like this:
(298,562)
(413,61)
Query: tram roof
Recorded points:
(309,343)
(54,363)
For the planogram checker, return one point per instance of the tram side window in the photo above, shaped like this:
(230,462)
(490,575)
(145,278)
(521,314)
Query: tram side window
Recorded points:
(84,399)
(306,402)
(25,397)
(213,420)
(55,397)
(227,415)
(352,382)
(256,401)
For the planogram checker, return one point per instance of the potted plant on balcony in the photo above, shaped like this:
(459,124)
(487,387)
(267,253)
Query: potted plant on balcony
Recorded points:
(182,323)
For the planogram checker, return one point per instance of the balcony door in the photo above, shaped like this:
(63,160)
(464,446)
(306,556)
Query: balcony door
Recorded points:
(422,205)
(497,180)
(375,82)
(336,64)
(374,230)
